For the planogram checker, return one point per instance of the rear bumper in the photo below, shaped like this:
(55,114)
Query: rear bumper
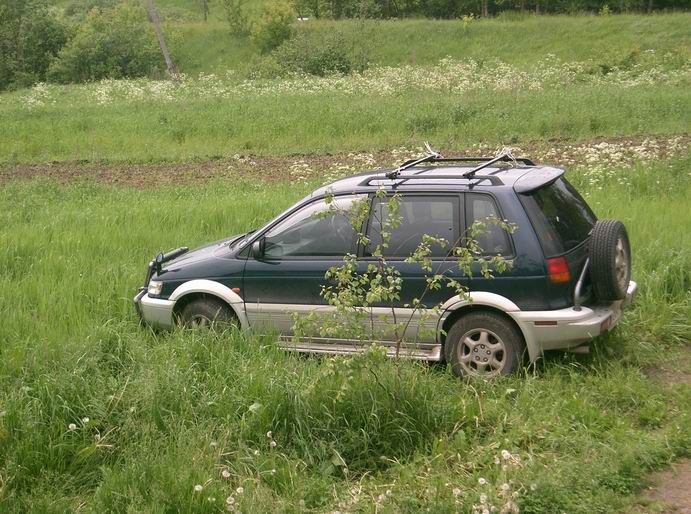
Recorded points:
(567,328)
(156,312)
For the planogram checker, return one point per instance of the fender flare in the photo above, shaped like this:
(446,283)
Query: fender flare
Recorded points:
(497,302)
(213,288)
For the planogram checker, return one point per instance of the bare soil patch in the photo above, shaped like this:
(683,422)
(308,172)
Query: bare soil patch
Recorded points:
(670,490)
(674,371)
(299,167)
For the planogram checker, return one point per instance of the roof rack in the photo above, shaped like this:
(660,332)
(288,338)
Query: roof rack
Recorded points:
(433,157)
(494,180)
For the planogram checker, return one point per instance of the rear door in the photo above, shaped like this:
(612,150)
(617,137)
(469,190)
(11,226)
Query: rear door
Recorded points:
(434,214)
(522,282)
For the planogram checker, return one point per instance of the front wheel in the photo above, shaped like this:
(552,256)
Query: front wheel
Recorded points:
(484,345)
(207,313)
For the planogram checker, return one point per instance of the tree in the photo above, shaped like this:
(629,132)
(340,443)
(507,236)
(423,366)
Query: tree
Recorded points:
(236,16)
(30,38)
(204,4)
(153,17)
(117,43)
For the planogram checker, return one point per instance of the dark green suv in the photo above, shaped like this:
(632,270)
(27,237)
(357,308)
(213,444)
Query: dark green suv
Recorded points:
(569,282)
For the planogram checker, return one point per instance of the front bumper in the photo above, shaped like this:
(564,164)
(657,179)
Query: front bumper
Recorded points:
(156,312)
(568,328)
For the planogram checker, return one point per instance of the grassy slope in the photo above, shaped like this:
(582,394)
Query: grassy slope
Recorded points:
(521,41)
(71,257)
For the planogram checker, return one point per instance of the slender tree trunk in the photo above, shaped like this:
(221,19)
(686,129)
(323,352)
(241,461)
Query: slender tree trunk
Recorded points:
(650,6)
(205,10)
(153,17)
(485,8)
(537,6)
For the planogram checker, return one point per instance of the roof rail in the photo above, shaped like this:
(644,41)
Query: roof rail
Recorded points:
(434,157)
(493,179)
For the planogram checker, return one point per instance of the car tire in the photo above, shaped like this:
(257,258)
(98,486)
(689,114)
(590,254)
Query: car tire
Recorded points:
(484,345)
(610,260)
(207,313)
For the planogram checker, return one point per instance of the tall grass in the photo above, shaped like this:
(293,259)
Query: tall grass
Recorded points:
(285,124)
(168,411)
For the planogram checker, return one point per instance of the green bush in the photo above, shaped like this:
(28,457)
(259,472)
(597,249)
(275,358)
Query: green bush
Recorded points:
(30,38)
(114,44)
(236,14)
(316,55)
(273,26)
(80,8)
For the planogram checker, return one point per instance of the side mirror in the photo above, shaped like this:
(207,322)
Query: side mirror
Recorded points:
(258,248)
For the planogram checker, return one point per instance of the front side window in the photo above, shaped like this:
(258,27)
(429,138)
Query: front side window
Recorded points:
(494,240)
(436,216)
(319,229)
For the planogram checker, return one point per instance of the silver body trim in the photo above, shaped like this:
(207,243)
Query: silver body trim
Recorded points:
(565,328)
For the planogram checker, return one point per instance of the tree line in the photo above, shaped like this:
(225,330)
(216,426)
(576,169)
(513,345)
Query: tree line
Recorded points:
(338,9)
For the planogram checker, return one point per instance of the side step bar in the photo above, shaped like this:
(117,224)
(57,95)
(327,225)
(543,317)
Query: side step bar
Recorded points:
(419,351)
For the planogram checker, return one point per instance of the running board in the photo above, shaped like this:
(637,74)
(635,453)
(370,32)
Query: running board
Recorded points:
(419,351)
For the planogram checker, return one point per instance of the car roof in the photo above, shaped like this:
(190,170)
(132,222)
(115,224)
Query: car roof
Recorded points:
(444,178)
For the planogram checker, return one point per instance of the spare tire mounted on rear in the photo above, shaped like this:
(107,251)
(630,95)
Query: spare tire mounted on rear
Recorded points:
(610,260)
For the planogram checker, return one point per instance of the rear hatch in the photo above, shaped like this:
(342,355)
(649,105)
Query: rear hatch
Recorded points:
(562,221)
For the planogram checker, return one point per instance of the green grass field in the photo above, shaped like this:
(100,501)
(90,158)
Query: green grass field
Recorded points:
(100,414)
(174,410)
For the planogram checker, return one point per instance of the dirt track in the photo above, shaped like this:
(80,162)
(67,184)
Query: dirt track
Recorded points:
(290,168)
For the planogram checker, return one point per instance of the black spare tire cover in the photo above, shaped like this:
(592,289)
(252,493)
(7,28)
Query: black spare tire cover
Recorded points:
(610,260)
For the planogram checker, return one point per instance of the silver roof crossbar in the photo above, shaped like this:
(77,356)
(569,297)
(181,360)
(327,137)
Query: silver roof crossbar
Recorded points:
(433,156)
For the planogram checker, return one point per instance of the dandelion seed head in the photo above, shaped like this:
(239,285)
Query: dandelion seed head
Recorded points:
(198,488)
(72,427)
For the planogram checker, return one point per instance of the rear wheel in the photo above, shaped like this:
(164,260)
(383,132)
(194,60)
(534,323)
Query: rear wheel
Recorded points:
(610,260)
(207,313)
(485,345)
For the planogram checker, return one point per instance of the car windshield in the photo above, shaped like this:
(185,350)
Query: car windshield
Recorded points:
(560,217)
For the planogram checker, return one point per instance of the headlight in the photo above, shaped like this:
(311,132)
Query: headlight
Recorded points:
(155,288)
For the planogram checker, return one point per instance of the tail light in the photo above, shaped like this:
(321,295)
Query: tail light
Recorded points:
(558,270)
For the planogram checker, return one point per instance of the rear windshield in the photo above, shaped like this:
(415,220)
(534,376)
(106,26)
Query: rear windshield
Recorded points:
(559,215)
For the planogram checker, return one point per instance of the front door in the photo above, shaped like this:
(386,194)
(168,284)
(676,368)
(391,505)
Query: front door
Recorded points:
(287,278)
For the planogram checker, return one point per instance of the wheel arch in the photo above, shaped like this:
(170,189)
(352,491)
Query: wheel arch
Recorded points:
(193,289)
(457,307)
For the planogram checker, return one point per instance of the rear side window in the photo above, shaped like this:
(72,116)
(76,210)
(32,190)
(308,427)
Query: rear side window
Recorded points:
(560,217)
(494,240)
(432,215)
